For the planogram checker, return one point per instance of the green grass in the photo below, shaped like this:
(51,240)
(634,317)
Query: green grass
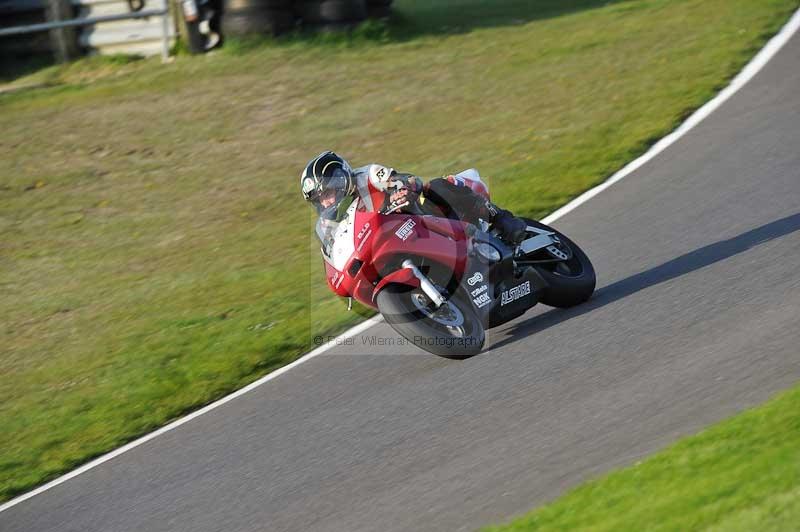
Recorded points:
(740,475)
(154,250)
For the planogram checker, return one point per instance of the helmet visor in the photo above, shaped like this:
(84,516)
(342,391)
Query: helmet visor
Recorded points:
(329,196)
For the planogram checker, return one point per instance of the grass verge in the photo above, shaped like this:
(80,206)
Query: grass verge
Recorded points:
(155,254)
(742,474)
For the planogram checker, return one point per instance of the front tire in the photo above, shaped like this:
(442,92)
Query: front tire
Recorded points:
(452,331)
(570,282)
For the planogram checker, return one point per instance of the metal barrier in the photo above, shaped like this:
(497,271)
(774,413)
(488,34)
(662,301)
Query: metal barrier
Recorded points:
(46,26)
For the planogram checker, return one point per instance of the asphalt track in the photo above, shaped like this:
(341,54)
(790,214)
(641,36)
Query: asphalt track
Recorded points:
(696,318)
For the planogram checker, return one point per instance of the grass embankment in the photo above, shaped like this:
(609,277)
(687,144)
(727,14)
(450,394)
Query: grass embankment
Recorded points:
(740,475)
(155,250)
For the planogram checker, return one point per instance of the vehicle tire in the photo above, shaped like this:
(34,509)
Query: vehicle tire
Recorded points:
(256,20)
(452,331)
(308,11)
(570,282)
(239,5)
(377,11)
(333,11)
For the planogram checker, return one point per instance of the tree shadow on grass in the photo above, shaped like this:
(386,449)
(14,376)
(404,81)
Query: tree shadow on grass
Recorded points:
(411,19)
(677,267)
(420,17)
(14,66)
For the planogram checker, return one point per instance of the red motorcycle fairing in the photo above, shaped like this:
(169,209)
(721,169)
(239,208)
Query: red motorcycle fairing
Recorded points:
(380,242)
(373,246)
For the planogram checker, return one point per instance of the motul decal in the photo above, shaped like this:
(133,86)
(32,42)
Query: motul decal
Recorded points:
(512,294)
(475,279)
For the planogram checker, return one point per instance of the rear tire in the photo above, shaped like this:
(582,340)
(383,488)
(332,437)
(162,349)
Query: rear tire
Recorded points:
(454,332)
(570,282)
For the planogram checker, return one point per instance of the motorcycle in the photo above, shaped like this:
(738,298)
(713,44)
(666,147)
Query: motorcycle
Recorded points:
(441,283)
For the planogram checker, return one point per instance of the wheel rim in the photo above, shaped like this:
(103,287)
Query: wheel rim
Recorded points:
(447,317)
(571,267)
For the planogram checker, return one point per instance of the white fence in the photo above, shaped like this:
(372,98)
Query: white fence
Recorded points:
(108,27)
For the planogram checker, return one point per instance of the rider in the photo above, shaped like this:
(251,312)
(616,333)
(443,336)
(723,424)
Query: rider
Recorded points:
(328,179)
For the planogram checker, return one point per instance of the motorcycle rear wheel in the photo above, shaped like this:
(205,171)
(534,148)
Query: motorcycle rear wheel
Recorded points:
(451,331)
(570,282)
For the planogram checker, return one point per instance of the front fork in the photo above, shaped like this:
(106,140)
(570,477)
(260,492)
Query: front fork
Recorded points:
(425,284)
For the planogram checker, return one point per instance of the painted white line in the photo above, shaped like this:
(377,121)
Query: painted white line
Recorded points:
(177,423)
(752,68)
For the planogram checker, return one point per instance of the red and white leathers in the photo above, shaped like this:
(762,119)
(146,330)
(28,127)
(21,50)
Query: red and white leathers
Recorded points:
(453,196)
(375,184)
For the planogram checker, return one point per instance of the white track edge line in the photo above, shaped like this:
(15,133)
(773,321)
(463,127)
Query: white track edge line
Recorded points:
(750,70)
(177,423)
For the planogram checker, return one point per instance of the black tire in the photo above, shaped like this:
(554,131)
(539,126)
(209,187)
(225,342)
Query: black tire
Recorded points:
(332,11)
(307,11)
(570,282)
(239,5)
(256,21)
(396,302)
(375,11)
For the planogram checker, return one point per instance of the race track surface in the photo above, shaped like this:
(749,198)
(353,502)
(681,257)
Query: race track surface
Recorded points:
(695,318)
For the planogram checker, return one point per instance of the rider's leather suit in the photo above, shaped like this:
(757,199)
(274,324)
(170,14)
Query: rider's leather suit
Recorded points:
(441,197)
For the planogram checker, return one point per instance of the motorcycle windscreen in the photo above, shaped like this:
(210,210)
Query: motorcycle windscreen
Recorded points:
(329,221)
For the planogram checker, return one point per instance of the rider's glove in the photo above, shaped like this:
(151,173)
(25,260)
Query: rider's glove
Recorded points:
(401,197)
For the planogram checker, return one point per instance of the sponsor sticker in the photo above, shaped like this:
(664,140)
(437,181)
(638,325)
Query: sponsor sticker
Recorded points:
(365,240)
(476,278)
(517,292)
(405,230)
(481,289)
(363,231)
(482,300)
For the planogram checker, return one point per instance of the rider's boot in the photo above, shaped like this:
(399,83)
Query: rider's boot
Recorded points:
(511,228)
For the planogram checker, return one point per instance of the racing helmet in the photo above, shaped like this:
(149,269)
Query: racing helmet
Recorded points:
(326,182)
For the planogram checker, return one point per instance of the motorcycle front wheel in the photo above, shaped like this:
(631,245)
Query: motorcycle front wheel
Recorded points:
(452,331)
